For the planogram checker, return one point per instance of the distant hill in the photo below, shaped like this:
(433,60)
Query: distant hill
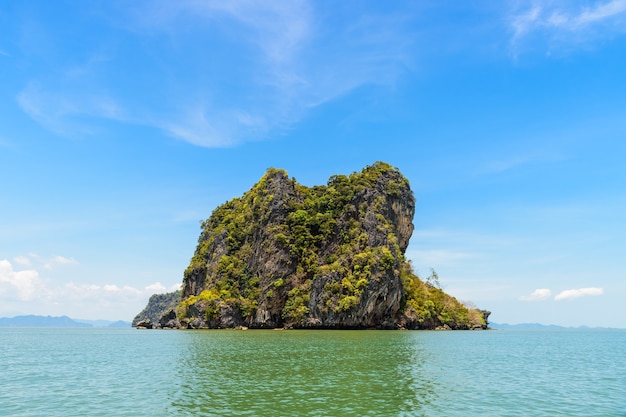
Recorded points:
(537,326)
(105,323)
(40,321)
(524,326)
(62,321)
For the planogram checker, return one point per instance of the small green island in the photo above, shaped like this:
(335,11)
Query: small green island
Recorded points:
(284,255)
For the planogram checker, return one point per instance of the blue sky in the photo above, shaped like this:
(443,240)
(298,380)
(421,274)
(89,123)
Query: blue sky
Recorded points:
(123,124)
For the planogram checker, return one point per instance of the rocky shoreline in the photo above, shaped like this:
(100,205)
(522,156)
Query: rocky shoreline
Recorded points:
(170,321)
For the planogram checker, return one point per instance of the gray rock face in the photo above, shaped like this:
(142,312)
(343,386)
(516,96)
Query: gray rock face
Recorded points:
(288,255)
(386,217)
(169,320)
(144,324)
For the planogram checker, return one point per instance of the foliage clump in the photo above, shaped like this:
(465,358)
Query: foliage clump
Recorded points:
(427,306)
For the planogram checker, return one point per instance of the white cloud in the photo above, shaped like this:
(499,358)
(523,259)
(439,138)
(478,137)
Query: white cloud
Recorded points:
(565,23)
(47,263)
(59,260)
(563,15)
(600,12)
(111,288)
(157,287)
(28,292)
(95,291)
(22,260)
(24,285)
(539,294)
(577,293)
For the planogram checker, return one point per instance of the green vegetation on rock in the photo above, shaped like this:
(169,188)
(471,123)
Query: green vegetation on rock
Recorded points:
(325,256)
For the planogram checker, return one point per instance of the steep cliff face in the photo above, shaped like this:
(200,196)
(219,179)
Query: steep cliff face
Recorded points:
(326,256)
(357,282)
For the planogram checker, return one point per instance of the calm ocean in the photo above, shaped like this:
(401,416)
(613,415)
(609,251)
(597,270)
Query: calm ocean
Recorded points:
(127,372)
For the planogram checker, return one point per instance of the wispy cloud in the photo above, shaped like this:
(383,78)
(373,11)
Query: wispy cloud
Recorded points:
(525,21)
(565,23)
(577,293)
(108,293)
(278,29)
(539,294)
(281,63)
(503,163)
(292,67)
(66,112)
(22,260)
(47,263)
(597,13)
(59,261)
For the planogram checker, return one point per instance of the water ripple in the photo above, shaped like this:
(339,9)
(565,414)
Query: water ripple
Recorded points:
(125,372)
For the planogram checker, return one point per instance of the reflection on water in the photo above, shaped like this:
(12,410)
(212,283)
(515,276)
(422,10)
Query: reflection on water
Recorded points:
(306,373)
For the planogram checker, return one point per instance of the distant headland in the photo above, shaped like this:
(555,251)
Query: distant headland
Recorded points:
(60,321)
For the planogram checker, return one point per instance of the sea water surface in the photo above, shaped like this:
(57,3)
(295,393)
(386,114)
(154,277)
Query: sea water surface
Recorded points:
(128,372)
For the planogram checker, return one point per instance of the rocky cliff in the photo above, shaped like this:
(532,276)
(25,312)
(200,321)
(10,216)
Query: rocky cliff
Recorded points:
(286,255)
(158,306)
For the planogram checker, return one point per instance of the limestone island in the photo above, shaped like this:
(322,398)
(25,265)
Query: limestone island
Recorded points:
(284,255)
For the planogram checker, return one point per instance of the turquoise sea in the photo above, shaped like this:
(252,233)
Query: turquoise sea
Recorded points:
(128,372)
